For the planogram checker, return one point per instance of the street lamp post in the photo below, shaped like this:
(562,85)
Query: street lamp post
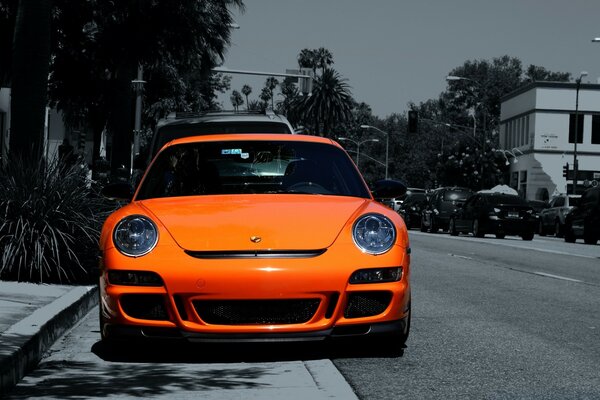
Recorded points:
(483,131)
(358,144)
(575,162)
(387,145)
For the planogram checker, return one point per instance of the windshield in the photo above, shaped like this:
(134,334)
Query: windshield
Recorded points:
(246,167)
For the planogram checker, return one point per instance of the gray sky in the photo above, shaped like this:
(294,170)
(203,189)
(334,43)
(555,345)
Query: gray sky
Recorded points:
(394,51)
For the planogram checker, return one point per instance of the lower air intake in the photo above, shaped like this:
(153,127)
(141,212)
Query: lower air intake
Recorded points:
(256,312)
(366,304)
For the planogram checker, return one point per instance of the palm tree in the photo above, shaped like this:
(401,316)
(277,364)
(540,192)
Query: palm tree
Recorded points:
(246,90)
(271,83)
(236,99)
(323,58)
(330,103)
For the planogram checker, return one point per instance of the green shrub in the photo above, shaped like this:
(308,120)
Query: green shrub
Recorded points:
(49,223)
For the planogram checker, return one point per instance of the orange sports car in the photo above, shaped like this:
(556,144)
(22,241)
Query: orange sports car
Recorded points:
(269,237)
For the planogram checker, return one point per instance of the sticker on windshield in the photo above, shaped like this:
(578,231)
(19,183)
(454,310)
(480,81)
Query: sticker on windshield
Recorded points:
(231,151)
(245,156)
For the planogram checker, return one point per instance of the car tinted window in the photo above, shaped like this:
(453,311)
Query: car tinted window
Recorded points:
(415,198)
(236,167)
(456,195)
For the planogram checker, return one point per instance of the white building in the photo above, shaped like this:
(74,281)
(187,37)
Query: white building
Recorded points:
(537,137)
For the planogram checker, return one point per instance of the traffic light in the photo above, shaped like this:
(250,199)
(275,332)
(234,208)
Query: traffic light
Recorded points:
(413,121)
(566,170)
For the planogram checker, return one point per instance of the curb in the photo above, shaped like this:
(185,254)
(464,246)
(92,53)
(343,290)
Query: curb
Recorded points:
(24,344)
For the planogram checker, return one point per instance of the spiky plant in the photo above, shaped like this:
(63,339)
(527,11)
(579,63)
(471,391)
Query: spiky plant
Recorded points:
(49,223)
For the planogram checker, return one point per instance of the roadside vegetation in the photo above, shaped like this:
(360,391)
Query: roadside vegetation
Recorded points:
(50,219)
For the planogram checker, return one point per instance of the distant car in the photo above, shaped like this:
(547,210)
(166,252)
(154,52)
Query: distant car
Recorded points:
(411,207)
(181,124)
(583,221)
(552,219)
(396,203)
(255,237)
(442,204)
(496,213)
(538,206)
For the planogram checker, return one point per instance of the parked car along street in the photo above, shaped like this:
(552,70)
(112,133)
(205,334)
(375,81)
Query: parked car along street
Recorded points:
(442,204)
(552,219)
(256,237)
(496,213)
(411,207)
(583,221)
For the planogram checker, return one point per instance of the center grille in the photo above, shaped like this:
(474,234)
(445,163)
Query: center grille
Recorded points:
(256,312)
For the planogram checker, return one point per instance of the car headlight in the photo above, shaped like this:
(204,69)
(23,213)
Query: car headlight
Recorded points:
(374,233)
(135,235)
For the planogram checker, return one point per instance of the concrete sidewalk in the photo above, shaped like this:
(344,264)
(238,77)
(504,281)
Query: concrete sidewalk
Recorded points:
(33,317)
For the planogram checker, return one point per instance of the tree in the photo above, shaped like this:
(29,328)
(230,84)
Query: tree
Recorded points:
(535,73)
(246,90)
(330,102)
(270,84)
(30,66)
(177,43)
(236,99)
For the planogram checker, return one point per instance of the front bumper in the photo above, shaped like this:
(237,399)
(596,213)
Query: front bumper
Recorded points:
(248,299)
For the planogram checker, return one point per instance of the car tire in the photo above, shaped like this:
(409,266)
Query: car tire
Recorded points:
(541,230)
(527,236)
(569,235)
(407,221)
(559,230)
(500,235)
(433,228)
(588,237)
(477,231)
(423,227)
(452,228)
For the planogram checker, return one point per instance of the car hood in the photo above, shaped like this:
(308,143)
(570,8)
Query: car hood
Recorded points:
(230,223)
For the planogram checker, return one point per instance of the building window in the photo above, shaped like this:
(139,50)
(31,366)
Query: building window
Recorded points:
(579,128)
(527,140)
(595,129)
(523,184)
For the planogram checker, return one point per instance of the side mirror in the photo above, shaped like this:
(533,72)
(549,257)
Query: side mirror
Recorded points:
(388,189)
(118,191)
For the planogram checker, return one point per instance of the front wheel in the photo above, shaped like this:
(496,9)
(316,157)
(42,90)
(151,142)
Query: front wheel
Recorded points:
(452,227)
(569,235)
(527,236)
(559,230)
(477,231)
(541,230)
(588,236)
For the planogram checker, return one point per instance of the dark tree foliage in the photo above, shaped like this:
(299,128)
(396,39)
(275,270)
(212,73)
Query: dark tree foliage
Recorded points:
(103,42)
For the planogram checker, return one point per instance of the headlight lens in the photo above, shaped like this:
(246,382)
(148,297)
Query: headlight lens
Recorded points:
(374,233)
(135,235)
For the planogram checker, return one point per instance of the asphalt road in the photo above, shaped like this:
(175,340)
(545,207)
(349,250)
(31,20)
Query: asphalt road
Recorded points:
(492,319)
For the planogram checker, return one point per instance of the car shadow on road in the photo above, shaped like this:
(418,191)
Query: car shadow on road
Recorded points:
(185,352)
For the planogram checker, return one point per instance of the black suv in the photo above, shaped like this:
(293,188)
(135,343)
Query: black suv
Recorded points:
(583,221)
(442,204)
(497,213)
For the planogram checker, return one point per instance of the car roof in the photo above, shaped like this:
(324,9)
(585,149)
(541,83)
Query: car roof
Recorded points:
(253,136)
